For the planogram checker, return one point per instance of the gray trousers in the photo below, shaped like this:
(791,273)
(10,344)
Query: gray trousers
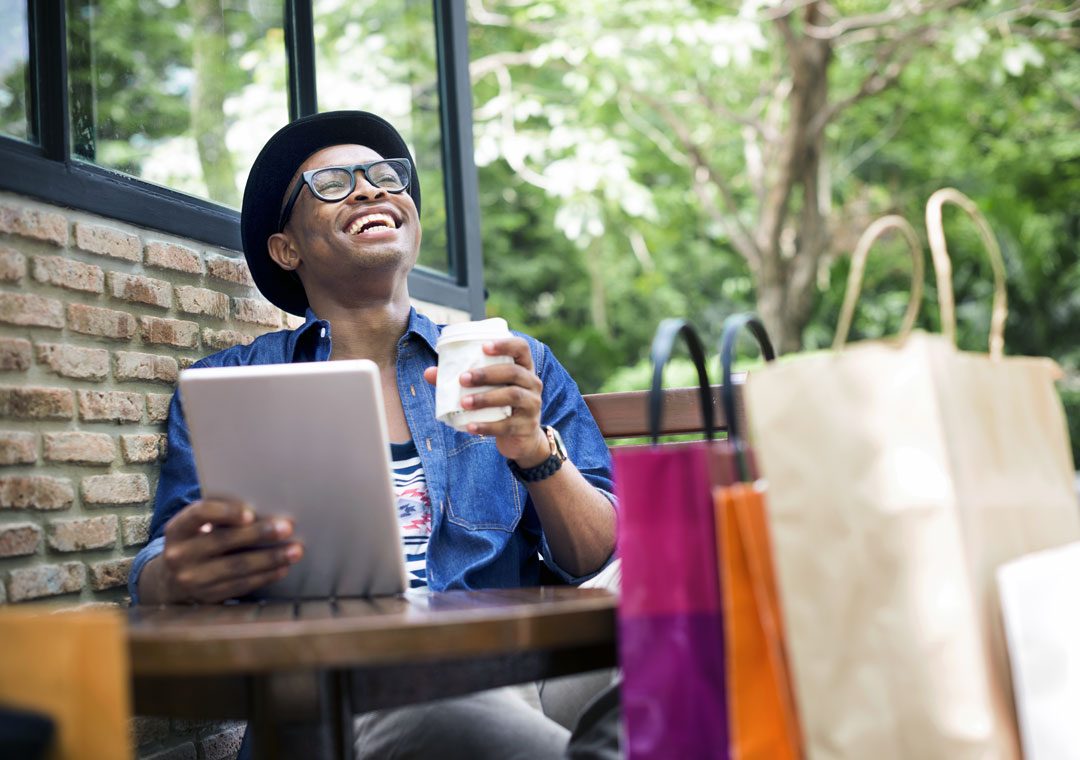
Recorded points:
(532,720)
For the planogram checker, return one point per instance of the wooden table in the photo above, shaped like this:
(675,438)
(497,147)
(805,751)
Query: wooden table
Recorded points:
(299,671)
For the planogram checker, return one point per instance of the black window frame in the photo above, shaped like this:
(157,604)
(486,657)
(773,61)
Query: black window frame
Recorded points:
(49,172)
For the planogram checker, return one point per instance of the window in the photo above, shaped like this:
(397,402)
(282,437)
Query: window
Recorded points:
(14,70)
(157,108)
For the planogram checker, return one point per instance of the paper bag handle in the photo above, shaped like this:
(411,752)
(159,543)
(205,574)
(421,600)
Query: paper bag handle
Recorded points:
(727,357)
(659,354)
(935,231)
(858,266)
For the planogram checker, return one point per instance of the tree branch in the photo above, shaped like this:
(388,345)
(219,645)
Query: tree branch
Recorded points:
(481,67)
(722,111)
(883,74)
(740,236)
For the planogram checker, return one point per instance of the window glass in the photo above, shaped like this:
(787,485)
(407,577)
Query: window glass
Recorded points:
(182,94)
(379,56)
(15,71)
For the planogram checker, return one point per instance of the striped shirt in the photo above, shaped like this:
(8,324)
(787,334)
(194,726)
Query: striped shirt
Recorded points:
(414,510)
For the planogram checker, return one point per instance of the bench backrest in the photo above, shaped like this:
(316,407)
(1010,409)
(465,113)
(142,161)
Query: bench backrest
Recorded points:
(626,415)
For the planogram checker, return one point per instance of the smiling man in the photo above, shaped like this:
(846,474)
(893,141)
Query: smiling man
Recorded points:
(331,229)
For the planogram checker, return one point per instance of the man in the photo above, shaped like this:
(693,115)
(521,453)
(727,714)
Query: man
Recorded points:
(331,228)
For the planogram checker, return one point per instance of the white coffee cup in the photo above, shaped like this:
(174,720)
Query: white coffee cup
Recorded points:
(460,349)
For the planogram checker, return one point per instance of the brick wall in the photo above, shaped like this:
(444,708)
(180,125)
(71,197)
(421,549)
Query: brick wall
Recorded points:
(97,318)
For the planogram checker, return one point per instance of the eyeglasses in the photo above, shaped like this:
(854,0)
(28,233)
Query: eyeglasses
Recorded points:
(335,183)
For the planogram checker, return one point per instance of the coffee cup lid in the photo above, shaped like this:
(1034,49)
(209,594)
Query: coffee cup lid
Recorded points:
(484,329)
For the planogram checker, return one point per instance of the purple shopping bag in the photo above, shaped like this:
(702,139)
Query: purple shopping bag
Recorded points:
(671,627)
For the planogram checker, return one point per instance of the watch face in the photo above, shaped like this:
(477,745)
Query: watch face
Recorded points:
(559,449)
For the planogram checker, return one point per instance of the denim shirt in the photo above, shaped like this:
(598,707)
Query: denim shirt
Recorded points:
(485,531)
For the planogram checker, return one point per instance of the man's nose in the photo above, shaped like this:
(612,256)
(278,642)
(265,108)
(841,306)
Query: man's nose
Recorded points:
(365,191)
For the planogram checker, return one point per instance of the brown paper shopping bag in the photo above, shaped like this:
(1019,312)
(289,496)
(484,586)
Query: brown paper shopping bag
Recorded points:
(900,475)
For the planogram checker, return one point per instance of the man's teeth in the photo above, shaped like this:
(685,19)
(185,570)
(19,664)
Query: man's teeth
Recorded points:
(370,221)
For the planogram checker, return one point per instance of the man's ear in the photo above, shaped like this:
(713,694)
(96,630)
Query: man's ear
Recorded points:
(282,251)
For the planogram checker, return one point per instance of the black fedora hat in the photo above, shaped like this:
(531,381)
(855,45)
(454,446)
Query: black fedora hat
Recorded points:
(269,179)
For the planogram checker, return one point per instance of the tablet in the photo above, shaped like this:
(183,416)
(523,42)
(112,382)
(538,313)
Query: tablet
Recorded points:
(308,441)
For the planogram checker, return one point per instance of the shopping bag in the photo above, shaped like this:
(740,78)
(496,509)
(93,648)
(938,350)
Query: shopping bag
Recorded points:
(670,617)
(1041,612)
(901,474)
(762,718)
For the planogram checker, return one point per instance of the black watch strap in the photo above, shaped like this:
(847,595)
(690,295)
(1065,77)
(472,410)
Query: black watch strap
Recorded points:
(548,467)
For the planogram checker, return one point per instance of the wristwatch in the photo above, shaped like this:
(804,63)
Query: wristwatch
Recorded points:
(549,466)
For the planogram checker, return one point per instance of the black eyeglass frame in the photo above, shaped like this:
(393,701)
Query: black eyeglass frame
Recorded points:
(306,177)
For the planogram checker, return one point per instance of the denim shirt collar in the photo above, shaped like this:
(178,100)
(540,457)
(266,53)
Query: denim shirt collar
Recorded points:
(419,325)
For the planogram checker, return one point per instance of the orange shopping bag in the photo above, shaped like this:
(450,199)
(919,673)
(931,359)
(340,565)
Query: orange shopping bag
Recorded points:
(761,705)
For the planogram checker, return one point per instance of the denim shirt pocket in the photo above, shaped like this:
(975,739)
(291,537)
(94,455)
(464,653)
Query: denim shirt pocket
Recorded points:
(482,492)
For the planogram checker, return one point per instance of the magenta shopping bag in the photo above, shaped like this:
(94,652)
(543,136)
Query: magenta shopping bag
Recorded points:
(671,628)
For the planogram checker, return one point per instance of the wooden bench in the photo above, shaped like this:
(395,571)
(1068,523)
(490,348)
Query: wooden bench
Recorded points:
(625,414)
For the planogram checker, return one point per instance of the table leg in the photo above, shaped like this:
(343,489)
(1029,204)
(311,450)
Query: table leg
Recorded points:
(301,714)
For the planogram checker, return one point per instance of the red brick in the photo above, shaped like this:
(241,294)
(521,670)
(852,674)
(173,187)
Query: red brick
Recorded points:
(24,402)
(73,275)
(131,366)
(19,539)
(219,339)
(14,354)
(32,311)
(185,361)
(172,332)
(110,406)
(257,312)
(110,573)
(185,751)
(202,301)
(17,448)
(222,745)
(12,265)
(171,256)
(103,323)
(40,225)
(115,489)
(79,447)
(228,269)
(83,534)
(138,448)
(157,406)
(136,530)
(35,492)
(46,580)
(107,241)
(139,289)
(74,361)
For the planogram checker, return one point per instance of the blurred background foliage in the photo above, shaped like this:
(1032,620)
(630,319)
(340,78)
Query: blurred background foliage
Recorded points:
(608,134)
(643,159)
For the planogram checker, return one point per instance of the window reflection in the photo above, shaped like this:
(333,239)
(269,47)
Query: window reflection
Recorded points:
(15,118)
(381,57)
(181,94)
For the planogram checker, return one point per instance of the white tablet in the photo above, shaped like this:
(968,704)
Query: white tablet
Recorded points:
(308,441)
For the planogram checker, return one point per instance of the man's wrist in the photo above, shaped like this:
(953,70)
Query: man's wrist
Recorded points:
(546,467)
(540,453)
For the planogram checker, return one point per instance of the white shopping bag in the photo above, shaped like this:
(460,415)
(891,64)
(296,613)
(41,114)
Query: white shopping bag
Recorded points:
(1040,608)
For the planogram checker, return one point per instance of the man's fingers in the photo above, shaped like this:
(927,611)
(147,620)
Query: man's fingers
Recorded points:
(191,519)
(431,374)
(515,347)
(503,374)
(222,539)
(197,578)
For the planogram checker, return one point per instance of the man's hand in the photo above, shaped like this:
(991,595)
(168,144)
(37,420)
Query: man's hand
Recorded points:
(210,554)
(519,436)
